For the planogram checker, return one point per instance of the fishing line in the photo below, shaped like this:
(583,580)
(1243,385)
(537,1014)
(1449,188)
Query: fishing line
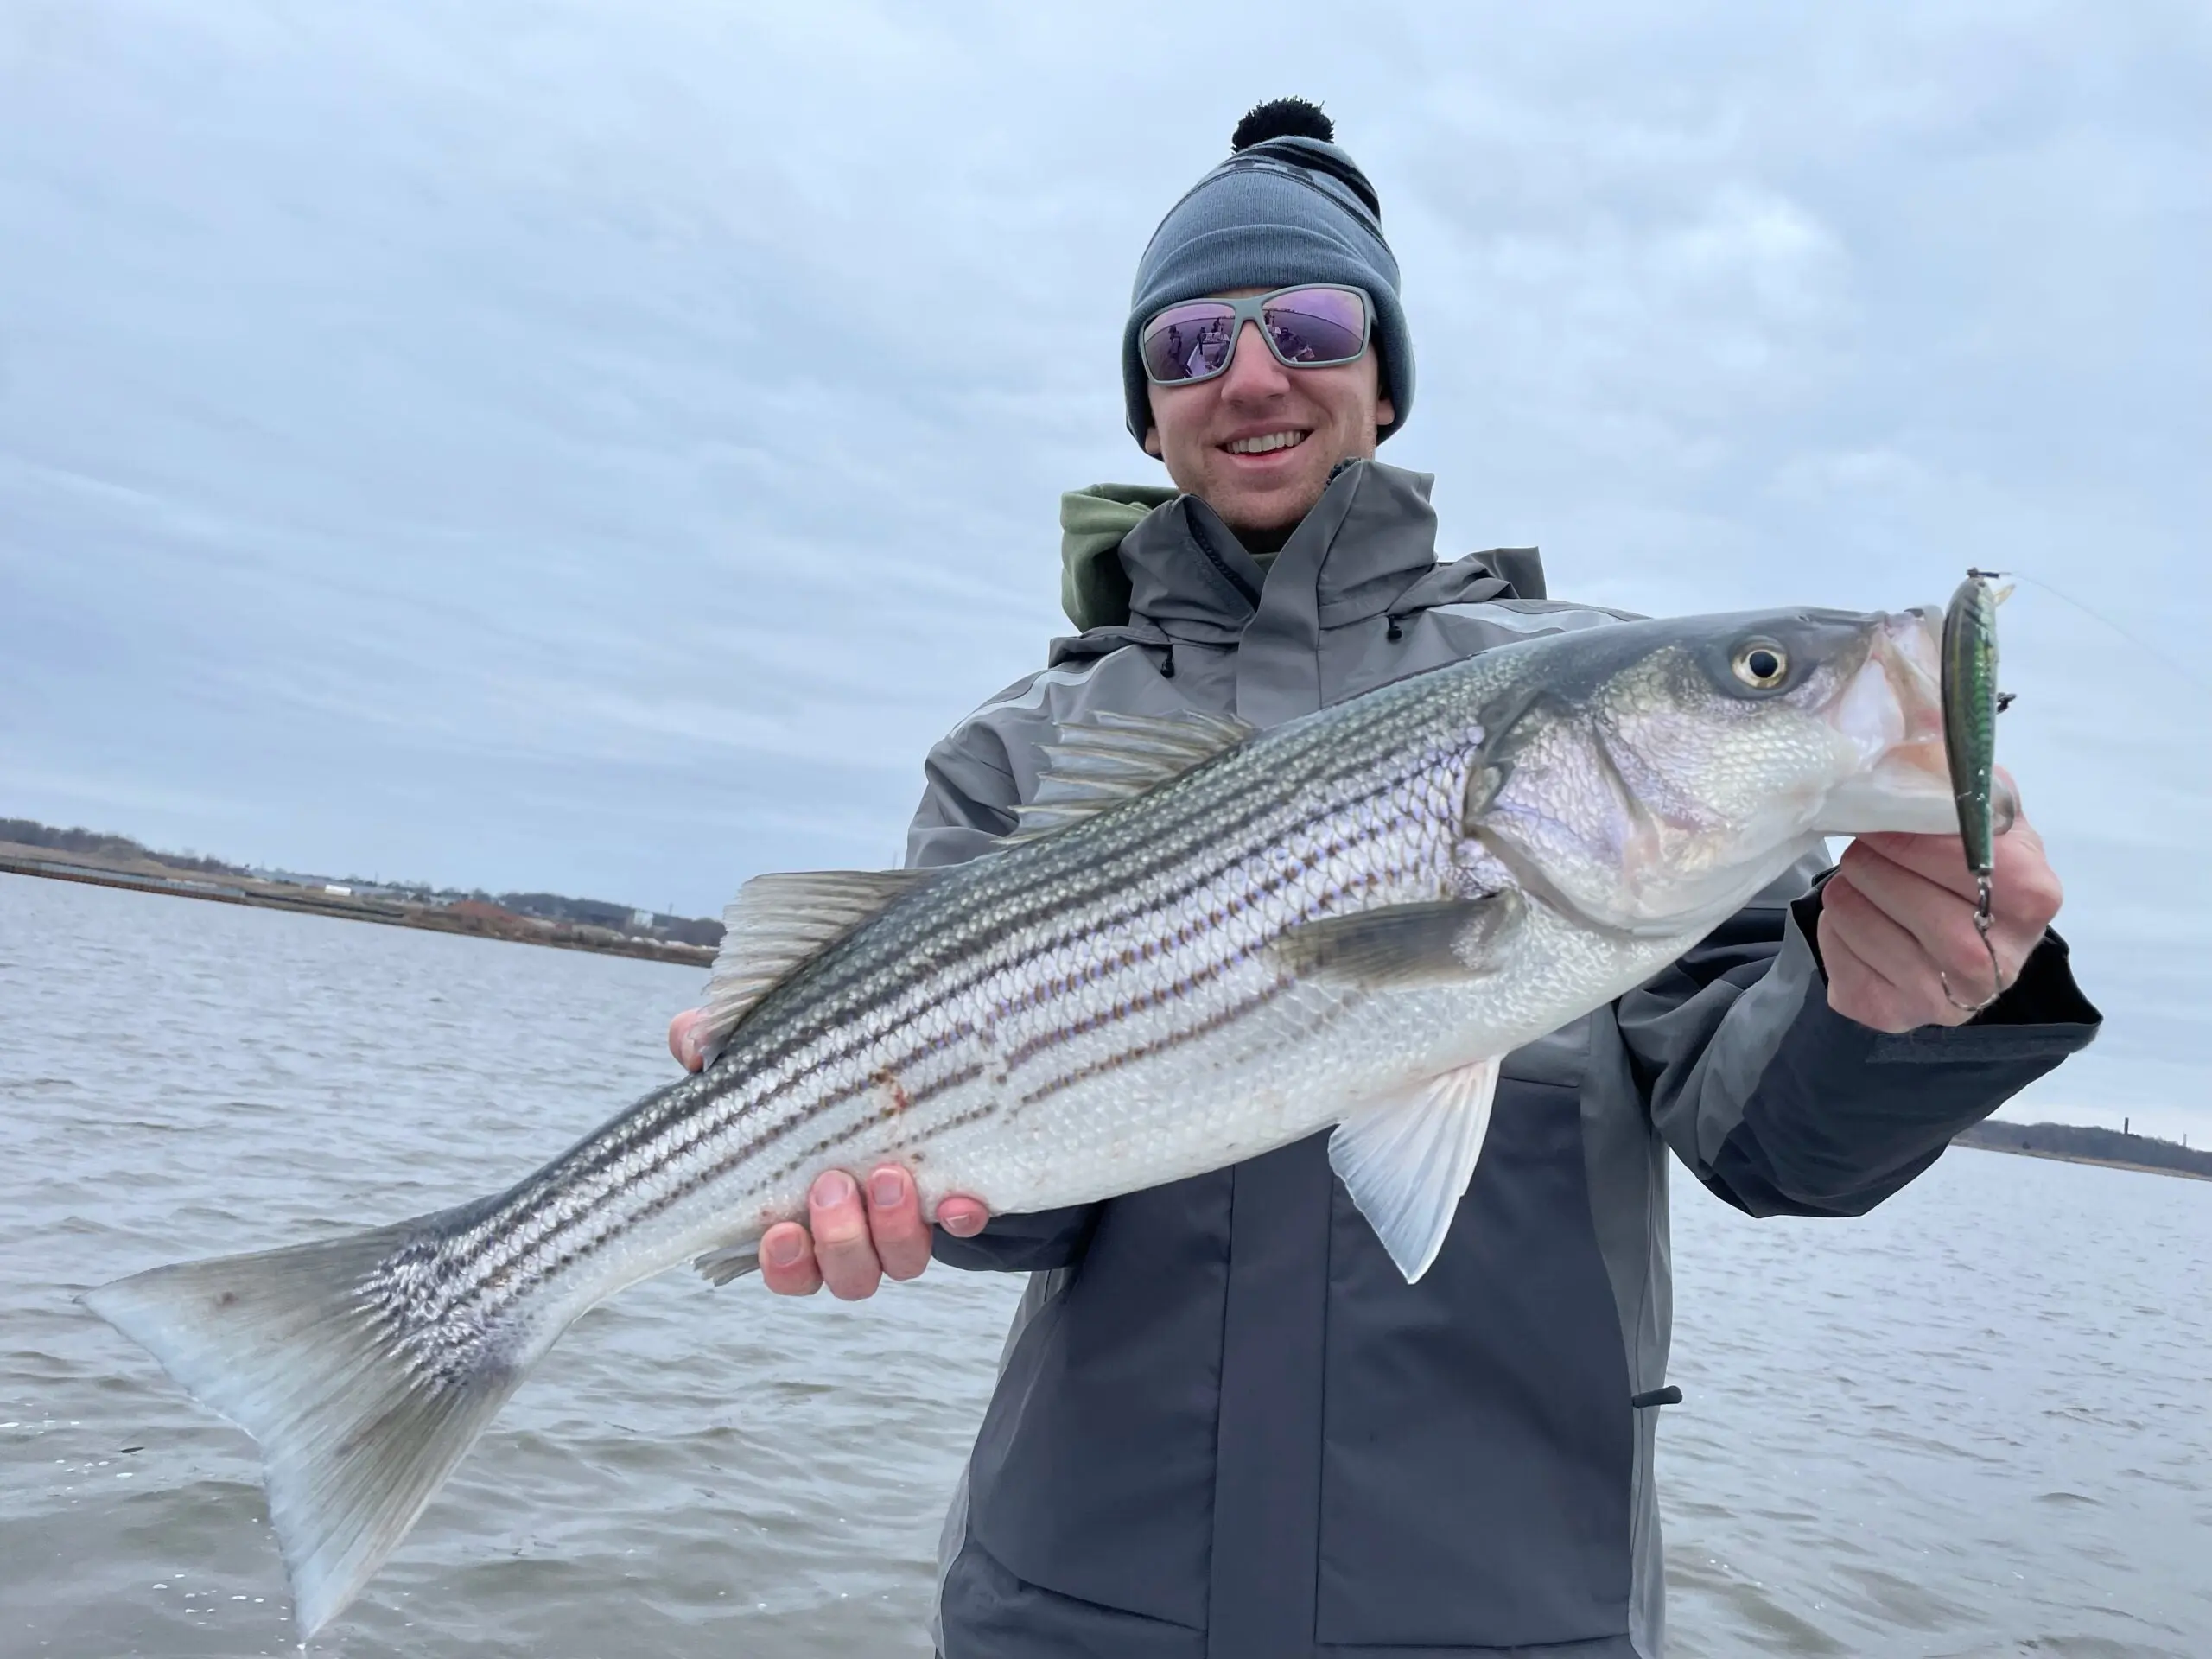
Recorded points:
(2095,615)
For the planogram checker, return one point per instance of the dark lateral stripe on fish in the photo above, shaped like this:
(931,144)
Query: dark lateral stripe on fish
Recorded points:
(920,1094)
(1142,1002)
(1173,1040)
(675,1195)
(1159,1045)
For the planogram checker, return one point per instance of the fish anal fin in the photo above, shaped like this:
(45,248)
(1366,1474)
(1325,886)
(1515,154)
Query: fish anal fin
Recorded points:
(1400,945)
(1407,1159)
(779,922)
(719,1267)
(1104,758)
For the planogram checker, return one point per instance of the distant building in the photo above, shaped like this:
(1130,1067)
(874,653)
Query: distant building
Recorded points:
(338,888)
(290,877)
(689,930)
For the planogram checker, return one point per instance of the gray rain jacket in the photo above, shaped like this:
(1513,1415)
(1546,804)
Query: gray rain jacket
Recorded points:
(1225,1425)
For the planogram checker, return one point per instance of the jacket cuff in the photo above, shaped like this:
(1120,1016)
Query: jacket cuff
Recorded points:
(1841,1116)
(2043,996)
(1036,1242)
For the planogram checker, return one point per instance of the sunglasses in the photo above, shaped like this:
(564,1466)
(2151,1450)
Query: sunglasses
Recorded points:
(1315,326)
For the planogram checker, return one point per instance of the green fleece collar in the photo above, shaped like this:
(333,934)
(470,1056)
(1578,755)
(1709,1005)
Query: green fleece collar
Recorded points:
(1094,588)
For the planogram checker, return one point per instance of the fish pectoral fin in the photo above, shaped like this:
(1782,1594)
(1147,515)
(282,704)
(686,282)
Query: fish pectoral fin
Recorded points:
(730,1262)
(1104,758)
(1400,945)
(779,922)
(1407,1159)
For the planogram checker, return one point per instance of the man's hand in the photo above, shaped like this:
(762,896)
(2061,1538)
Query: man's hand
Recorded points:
(1897,919)
(851,1239)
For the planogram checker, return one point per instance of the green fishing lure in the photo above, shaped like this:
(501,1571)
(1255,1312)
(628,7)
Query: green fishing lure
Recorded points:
(1970,705)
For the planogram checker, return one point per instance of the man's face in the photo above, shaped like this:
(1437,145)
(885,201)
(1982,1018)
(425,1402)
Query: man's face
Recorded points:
(1206,433)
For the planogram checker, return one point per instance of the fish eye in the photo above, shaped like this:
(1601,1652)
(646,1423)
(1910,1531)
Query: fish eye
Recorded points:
(1761,663)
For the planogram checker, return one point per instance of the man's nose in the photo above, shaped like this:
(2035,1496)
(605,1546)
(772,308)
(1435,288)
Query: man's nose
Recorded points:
(1253,372)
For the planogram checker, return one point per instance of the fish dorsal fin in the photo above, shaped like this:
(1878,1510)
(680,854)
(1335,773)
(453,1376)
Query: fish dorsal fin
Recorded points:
(776,922)
(1104,758)
(1407,1158)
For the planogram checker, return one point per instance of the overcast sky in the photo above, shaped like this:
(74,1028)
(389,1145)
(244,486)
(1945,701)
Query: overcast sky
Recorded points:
(599,447)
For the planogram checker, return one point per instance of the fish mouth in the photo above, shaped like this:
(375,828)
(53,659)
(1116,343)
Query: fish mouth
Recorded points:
(1890,713)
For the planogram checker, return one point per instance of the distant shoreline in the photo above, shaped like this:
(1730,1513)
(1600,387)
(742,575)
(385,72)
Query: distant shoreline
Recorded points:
(2078,1157)
(2075,1143)
(483,921)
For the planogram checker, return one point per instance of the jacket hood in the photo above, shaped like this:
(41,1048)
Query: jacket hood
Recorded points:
(1094,588)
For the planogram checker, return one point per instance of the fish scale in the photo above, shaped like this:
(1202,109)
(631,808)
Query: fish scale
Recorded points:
(1200,945)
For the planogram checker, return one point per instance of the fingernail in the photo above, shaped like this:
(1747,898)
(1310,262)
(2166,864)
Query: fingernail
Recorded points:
(835,1187)
(783,1249)
(963,1223)
(887,1188)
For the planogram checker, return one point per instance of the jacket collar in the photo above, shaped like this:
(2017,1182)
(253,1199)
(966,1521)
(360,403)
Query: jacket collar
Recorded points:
(1370,536)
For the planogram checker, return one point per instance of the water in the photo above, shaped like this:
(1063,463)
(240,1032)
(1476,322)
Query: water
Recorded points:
(1974,1423)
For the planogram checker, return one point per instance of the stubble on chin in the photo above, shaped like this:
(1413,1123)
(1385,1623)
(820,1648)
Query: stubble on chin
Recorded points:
(1262,527)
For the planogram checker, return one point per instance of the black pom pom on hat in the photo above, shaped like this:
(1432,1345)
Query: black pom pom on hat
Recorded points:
(1282,117)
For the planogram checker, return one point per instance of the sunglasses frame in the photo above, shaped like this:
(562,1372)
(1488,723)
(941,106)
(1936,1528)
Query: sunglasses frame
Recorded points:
(1248,309)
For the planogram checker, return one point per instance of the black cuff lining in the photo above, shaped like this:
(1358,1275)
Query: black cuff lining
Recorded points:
(2043,995)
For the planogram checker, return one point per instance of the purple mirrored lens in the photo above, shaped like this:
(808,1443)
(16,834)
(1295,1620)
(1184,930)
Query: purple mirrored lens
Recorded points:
(1317,325)
(1188,342)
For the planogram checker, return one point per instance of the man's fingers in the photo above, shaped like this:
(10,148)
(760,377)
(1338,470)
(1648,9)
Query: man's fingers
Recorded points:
(1939,860)
(787,1264)
(1880,942)
(2025,885)
(856,1233)
(683,1039)
(843,1248)
(1907,993)
(894,1219)
(1939,919)
(1856,990)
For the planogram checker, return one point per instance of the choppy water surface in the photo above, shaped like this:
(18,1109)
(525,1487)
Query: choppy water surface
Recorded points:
(1979,1421)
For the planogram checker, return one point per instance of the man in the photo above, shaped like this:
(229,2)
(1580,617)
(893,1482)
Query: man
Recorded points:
(1224,1424)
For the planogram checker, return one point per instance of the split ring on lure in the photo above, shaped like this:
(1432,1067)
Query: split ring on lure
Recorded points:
(1970,705)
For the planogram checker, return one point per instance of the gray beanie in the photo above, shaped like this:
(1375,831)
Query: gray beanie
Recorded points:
(1287,206)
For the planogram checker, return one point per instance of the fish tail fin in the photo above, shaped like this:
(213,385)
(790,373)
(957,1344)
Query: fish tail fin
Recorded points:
(358,1426)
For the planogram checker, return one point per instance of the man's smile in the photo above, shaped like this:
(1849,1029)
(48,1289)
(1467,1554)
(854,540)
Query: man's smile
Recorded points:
(1264,443)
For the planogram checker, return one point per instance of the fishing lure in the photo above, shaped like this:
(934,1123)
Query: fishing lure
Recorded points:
(1970,705)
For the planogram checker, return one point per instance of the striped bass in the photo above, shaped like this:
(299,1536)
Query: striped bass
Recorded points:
(1200,944)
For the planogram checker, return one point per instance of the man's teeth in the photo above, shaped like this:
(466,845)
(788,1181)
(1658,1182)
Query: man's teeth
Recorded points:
(1261,445)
